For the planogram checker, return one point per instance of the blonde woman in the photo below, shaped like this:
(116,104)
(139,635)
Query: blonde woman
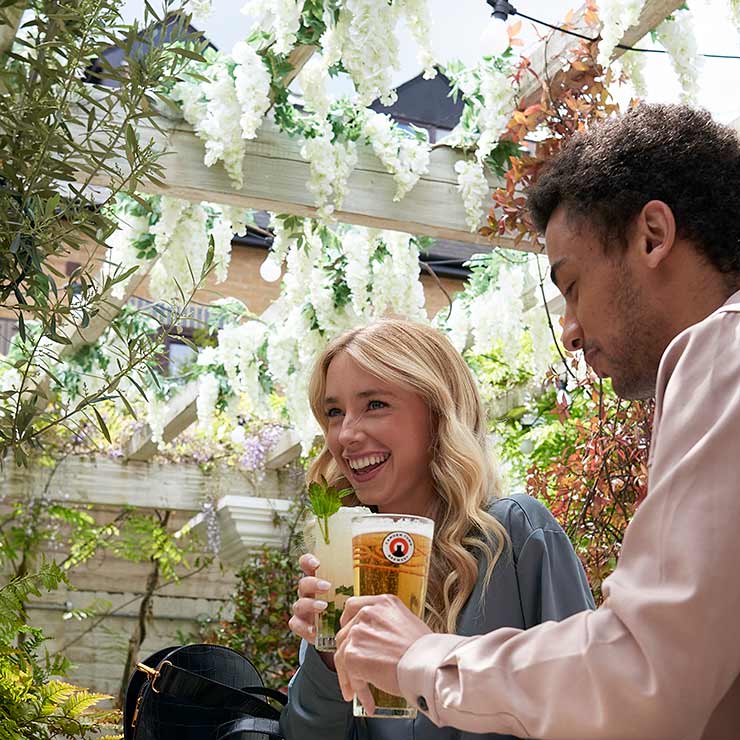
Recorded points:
(399,394)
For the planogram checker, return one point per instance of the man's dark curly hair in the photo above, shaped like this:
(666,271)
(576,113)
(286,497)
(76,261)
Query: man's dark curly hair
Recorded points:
(672,153)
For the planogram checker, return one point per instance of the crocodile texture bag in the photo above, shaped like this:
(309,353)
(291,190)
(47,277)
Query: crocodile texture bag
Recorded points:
(199,692)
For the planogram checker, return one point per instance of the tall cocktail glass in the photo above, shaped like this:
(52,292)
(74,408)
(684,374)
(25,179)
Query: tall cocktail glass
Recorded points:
(391,555)
(335,558)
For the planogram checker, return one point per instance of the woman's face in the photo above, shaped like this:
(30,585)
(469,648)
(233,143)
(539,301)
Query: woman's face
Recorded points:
(379,434)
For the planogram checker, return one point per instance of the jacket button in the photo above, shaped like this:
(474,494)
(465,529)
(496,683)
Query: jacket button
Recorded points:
(422,703)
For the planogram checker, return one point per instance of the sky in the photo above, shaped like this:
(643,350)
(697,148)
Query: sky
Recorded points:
(456,34)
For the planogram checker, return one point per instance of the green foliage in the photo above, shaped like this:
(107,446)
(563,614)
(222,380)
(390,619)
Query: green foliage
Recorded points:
(584,454)
(34,703)
(325,501)
(59,133)
(262,606)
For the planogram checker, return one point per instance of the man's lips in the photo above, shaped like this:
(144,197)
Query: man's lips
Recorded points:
(589,357)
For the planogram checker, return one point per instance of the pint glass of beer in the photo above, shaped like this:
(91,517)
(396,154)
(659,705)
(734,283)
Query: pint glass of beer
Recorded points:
(391,556)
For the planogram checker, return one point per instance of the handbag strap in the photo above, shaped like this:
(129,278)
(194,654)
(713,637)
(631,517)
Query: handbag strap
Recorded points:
(175,681)
(231,730)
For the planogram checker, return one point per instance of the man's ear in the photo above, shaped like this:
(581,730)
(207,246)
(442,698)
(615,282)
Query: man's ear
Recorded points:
(655,232)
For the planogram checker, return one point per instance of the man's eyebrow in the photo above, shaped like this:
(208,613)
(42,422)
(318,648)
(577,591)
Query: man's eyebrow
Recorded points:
(362,394)
(554,270)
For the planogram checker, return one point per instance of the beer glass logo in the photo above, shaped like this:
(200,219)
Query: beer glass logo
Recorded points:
(398,547)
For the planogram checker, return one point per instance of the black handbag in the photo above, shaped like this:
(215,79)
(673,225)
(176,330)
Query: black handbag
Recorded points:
(199,692)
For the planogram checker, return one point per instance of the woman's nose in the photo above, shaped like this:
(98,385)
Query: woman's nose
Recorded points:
(350,432)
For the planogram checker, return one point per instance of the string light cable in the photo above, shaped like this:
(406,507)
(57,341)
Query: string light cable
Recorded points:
(502,9)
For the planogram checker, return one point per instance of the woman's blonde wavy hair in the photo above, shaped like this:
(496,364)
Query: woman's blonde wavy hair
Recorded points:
(465,479)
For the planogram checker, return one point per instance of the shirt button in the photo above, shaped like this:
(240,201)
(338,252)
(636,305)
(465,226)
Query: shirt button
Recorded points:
(422,704)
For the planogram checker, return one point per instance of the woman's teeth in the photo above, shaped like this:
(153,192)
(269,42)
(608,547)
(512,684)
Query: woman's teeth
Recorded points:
(361,463)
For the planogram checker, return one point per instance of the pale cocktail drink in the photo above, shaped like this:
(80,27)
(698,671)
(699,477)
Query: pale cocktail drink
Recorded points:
(335,558)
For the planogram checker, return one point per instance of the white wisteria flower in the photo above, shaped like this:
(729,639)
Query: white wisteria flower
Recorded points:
(419,23)
(405,157)
(499,103)
(616,17)
(205,403)
(633,64)
(313,79)
(473,186)
(252,85)
(214,111)
(365,40)
(181,240)
(156,418)
(281,18)
(200,9)
(677,37)
(331,164)
(123,253)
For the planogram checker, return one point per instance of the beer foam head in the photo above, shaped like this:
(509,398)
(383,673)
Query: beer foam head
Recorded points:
(379,523)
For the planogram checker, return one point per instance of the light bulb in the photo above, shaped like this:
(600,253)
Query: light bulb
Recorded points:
(495,37)
(270,270)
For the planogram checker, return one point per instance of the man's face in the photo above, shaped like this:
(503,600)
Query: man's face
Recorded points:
(608,311)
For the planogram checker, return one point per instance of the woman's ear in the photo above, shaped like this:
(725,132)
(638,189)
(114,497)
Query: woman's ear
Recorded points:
(655,232)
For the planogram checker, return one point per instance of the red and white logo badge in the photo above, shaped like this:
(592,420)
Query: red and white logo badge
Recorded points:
(398,547)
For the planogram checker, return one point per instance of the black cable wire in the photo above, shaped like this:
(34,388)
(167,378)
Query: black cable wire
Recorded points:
(619,46)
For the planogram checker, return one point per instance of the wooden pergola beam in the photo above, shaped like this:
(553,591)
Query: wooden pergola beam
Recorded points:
(181,413)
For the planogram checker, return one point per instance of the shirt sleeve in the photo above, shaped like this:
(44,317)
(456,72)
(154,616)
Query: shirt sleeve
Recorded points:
(658,656)
(316,709)
(552,582)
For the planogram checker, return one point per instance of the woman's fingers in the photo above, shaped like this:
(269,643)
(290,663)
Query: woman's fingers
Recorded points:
(309,586)
(303,621)
(308,564)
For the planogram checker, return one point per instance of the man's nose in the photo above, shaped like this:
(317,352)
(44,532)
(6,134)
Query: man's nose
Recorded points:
(572,333)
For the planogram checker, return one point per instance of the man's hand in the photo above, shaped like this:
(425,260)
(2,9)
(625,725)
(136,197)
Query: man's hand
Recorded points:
(376,632)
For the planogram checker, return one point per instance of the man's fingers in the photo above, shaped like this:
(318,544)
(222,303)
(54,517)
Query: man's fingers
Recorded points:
(364,696)
(353,605)
(307,609)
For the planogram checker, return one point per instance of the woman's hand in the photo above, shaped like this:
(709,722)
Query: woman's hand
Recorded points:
(305,609)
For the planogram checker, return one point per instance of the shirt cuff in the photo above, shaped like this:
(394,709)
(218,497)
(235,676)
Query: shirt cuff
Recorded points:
(417,671)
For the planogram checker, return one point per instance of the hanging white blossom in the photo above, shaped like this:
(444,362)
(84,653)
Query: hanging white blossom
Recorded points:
(473,186)
(364,39)
(313,79)
(156,417)
(403,156)
(499,103)
(181,240)
(200,9)
(331,164)
(677,37)
(419,23)
(205,402)
(281,18)
(123,253)
(252,85)
(616,16)
(633,64)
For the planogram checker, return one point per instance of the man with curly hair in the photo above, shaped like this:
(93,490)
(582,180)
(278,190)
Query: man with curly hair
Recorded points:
(641,216)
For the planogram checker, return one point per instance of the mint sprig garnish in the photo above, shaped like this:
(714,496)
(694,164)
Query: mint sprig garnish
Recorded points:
(325,500)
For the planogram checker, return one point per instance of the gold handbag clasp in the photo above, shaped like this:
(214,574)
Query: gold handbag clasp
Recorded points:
(153,673)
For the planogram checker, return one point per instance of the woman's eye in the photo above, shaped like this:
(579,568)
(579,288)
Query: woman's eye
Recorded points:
(373,405)
(333,412)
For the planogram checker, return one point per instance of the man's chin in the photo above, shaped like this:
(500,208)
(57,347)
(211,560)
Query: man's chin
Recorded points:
(635,389)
